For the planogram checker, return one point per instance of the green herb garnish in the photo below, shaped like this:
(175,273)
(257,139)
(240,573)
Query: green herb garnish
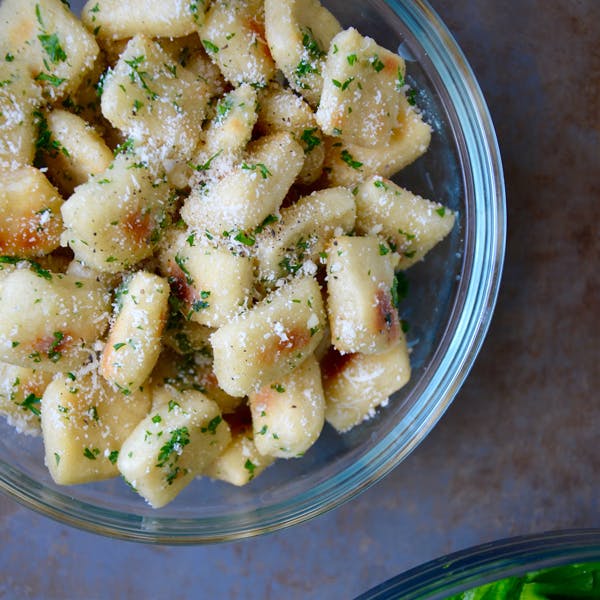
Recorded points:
(377,64)
(311,44)
(91,454)
(250,467)
(349,160)
(245,239)
(137,74)
(53,80)
(31,403)
(264,171)
(399,288)
(206,165)
(311,140)
(51,45)
(180,437)
(212,425)
(210,47)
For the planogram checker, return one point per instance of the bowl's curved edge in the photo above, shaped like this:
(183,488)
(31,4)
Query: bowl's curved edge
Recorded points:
(485,563)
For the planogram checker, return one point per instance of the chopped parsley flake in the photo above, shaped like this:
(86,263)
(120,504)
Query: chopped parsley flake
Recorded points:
(39,271)
(304,68)
(173,474)
(113,456)
(441,211)
(136,106)
(38,15)
(53,354)
(171,69)
(206,165)
(245,239)
(400,83)
(181,264)
(51,45)
(223,108)
(311,140)
(91,454)
(49,41)
(210,47)
(212,425)
(100,85)
(31,403)
(44,141)
(399,288)
(138,165)
(250,467)
(278,388)
(342,86)
(264,171)
(376,63)
(193,6)
(125,148)
(180,437)
(269,220)
(349,160)
(141,76)
(289,266)
(311,45)
(124,390)
(199,305)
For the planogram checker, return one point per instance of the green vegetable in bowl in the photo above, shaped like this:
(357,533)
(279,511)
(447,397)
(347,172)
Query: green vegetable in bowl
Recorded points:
(559,583)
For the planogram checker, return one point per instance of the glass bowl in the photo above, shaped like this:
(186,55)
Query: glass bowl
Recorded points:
(449,306)
(467,569)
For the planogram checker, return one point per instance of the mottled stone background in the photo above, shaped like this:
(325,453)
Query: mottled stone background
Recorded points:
(517,452)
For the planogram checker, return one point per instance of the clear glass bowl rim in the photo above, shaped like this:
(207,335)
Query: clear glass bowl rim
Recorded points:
(474,306)
(485,563)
